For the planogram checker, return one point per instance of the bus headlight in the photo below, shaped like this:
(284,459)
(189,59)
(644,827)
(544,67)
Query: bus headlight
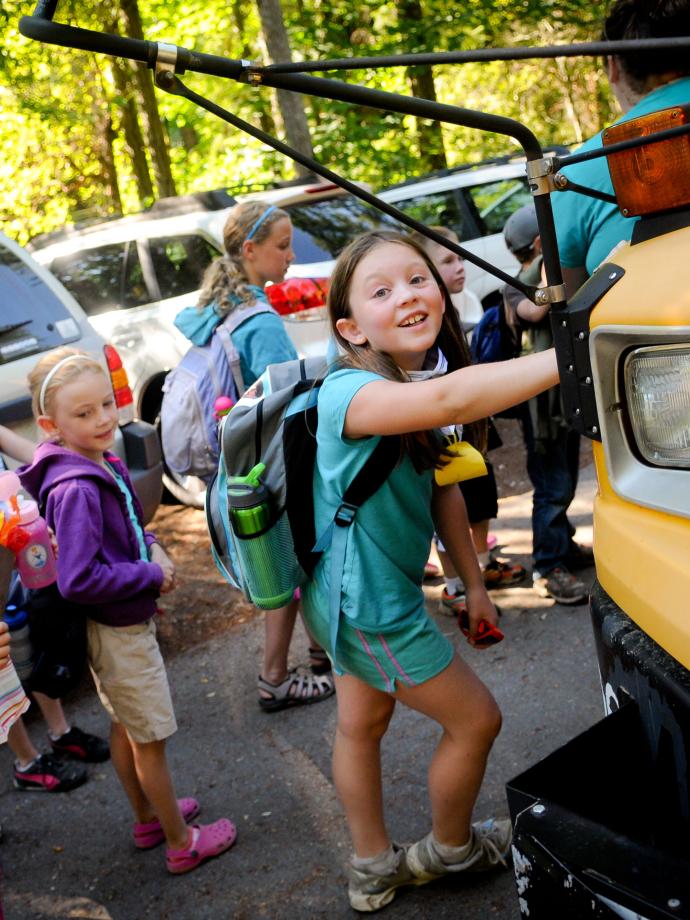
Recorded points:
(657,386)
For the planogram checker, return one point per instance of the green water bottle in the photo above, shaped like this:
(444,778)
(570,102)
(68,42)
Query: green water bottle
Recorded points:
(258,540)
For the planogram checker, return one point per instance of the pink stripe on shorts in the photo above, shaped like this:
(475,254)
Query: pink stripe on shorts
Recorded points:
(390,688)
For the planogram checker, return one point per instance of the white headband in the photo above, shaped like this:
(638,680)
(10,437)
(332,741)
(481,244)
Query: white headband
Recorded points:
(51,373)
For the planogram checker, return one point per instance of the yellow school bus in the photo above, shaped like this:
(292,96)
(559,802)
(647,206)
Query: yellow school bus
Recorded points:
(601,826)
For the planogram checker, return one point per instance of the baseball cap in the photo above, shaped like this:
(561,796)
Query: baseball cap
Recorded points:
(521,228)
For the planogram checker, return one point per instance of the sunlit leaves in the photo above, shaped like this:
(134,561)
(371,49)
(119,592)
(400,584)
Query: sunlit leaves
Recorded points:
(54,102)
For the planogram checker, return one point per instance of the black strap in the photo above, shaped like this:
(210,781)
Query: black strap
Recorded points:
(374,473)
(257,431)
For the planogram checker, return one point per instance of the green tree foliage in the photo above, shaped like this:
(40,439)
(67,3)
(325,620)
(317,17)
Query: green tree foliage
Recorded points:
(72,120)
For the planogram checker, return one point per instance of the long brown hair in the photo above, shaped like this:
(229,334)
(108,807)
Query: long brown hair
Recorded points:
(225,280)
(425,448)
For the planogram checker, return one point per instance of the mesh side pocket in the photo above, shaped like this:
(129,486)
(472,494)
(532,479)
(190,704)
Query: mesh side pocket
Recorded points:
(269,565)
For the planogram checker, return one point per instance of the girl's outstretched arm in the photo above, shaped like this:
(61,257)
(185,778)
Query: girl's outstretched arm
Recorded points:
(471,393)
(453,527)
(16,446)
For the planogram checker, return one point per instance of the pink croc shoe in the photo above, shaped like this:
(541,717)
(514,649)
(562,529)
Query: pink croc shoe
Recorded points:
(151,834)
(207,840)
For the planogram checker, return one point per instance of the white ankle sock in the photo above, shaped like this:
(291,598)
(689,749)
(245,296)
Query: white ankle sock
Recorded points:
(448,854)
(484,559)
(382,864)
(60,735)
(453,585)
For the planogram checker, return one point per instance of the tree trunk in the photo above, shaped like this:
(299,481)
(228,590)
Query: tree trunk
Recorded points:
(430,136)
(266,119)
(134,139)
(106,136)
(291,105)
(155,133)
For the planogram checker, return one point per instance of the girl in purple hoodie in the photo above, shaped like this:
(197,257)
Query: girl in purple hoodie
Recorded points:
(109,565)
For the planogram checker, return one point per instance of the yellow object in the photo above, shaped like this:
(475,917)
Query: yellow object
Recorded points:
(467,463)
(642,553)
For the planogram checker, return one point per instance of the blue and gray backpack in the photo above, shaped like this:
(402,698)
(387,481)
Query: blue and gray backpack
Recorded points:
(188,423)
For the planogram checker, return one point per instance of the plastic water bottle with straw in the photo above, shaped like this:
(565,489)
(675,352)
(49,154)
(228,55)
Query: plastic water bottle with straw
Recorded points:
(25,533)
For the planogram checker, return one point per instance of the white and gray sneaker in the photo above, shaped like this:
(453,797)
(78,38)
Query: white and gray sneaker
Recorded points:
(370,890)
(489,847)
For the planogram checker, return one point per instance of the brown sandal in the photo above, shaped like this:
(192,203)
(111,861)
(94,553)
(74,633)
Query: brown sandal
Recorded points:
(499,574)
(298,689)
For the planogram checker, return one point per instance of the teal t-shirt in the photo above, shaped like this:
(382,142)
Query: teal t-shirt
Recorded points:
(588,229)
(388,543)
(261,340)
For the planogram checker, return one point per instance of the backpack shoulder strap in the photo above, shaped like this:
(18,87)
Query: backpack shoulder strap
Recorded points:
(374,473)
(240,314)
(224,332)
(366,483)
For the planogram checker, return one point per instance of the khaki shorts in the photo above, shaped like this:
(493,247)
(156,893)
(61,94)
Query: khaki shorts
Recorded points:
(130,677)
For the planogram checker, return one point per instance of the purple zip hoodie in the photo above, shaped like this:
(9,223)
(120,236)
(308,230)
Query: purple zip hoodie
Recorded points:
(99,563)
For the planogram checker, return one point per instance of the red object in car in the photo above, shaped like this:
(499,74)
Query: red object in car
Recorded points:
(296,294)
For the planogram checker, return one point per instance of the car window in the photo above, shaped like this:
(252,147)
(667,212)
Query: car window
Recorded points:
(323,228)
(496,201)
(180,262)
(104,278)
(443,209)
(32,316)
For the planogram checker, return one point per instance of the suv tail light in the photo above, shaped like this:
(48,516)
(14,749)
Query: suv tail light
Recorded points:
(298,295)
(124,400)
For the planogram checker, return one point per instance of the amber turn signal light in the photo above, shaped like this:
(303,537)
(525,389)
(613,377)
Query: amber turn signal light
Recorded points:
(654,177)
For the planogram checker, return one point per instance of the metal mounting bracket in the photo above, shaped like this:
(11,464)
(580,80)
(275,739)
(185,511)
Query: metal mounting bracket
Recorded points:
(540,175)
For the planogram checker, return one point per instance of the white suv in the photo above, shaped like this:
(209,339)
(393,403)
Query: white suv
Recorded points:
(134,274)
(475,202)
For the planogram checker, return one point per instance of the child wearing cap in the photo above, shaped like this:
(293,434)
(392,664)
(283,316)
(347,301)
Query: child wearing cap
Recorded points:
(553,450)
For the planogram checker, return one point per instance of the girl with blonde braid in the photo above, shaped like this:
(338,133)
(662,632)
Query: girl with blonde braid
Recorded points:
(257,239)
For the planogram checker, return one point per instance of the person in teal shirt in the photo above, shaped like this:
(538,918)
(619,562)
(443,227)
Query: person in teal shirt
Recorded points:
(404,370)
(588,229)
(257,239)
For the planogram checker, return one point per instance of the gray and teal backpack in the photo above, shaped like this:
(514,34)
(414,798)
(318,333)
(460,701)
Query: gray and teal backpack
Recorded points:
(268,448)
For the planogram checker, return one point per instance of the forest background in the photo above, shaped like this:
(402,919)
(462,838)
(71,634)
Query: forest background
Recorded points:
(85,136)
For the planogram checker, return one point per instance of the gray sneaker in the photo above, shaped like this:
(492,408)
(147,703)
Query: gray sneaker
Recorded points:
(490,847)
(562,586)
(369,891)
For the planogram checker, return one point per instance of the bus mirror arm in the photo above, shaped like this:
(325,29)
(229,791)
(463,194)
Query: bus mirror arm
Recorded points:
(570,328)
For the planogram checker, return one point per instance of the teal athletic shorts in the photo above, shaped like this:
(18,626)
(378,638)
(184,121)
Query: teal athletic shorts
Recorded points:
(409,656)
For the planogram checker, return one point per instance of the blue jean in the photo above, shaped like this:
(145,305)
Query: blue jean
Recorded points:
(554,477)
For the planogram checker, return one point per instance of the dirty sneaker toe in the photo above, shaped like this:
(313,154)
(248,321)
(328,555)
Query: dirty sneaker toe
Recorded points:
(488,848)
(369,890)
(50,774)
(453,605)
(80,745)
(562,586)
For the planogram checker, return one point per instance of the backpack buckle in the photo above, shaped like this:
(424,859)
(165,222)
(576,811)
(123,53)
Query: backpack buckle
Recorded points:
(345,515)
